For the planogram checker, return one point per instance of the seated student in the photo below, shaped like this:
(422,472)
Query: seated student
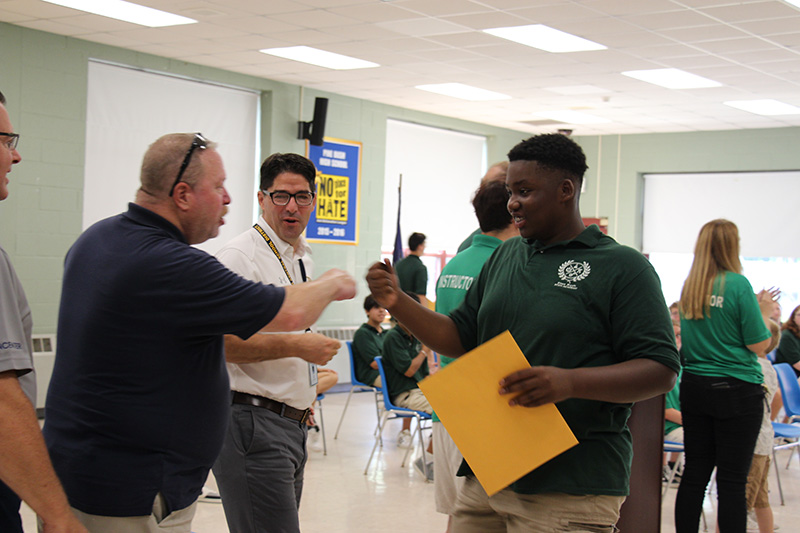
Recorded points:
(789,347)
(405,362)
(367,343)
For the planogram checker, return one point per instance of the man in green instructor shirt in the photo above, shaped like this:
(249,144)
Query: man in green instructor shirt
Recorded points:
(457,277)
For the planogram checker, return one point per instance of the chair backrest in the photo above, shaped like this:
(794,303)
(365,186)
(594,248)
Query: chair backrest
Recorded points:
(387,401)
(790,389)
(353,379)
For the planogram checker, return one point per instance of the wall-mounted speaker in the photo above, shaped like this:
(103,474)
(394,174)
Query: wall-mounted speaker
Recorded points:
(314,131)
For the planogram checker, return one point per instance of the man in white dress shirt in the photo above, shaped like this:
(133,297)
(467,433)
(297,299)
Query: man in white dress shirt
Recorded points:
(273,376)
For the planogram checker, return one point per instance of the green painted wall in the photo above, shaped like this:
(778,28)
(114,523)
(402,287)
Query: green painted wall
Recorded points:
(617,162)
(44,78)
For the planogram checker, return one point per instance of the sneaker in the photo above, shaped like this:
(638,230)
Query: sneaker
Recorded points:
(427,471)
(314,439)
(209,496)
(404,439)
(752,523)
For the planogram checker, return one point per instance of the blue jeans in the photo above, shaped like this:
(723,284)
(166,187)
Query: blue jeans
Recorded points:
(721,421)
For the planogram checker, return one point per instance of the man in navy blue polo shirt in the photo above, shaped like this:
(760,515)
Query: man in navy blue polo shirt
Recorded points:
(138,402)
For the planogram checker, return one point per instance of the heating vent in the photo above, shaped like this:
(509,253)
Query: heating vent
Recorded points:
(342,333)
(44,356)
(341,361)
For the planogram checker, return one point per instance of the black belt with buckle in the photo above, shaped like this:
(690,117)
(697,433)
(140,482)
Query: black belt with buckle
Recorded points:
(286,411)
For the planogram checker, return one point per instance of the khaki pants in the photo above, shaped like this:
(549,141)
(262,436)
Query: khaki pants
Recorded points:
(413,399)
(179,521)
(509,512)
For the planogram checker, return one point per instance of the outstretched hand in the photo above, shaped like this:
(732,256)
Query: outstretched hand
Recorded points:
(344,283)
(383,284)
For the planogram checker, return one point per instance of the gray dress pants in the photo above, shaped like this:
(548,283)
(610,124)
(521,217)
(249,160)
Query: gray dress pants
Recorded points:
(259,471)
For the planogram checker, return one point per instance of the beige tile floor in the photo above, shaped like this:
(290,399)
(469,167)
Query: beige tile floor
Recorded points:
(339,498)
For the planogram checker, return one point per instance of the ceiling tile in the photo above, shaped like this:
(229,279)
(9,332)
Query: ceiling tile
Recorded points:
(733,13)
(444,8)
(421,27)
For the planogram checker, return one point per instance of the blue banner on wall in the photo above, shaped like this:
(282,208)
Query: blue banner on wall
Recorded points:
(335,219)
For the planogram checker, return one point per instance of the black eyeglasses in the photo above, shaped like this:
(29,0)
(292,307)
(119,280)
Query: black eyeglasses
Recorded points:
(13,140)
(303,198)
(198,142)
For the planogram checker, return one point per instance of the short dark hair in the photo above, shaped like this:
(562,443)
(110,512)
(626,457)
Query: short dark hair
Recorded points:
(370,303)
(491,206)
(415,240)
(277,164)
(2,98)
(554,151)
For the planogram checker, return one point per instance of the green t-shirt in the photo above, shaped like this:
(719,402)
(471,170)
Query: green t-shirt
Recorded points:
(399,349)
(582,303)
(456,278)
(788,349)
(367,344)
(673,401)
(412,274)
(717,344)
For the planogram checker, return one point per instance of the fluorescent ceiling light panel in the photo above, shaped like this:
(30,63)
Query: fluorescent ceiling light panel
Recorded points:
(465,92)
(545,38)
(126,11)
(766,107)
(672,78)
(320,58)
(567,116)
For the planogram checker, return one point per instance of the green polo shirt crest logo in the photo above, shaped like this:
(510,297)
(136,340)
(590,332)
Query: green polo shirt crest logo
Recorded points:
(571,272)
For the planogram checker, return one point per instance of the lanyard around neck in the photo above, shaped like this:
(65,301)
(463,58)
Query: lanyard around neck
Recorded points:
(275,251)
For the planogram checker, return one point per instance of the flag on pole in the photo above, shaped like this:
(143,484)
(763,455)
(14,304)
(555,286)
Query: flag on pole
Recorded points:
(397,254)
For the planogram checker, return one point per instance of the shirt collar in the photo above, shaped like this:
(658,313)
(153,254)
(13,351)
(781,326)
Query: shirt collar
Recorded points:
(486,240)
(589,238)
(285,248)
(146,217)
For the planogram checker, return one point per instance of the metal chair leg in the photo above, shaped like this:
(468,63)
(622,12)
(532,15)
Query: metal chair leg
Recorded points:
(378,440)
(346,404)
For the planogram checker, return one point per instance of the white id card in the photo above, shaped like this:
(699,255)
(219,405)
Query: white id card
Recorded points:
(312,374)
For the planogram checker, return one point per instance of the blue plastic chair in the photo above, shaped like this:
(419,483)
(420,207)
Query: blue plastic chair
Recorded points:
(791,433)
(391,412)
(672,447)
(771,356)
(790,390)
(319,399)
(357,386)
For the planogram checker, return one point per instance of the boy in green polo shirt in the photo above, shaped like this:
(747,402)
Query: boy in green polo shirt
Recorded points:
(590,317)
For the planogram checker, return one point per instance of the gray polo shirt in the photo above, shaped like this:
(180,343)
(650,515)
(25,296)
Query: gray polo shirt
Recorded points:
(16,325)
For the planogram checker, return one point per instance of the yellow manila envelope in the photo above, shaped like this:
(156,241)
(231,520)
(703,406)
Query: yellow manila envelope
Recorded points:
(501,443)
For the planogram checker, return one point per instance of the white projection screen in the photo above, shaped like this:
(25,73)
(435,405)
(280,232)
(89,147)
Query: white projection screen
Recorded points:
(129,109)
(441,169)
(761,204)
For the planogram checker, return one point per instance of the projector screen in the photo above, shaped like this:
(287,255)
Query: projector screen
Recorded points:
(129,109)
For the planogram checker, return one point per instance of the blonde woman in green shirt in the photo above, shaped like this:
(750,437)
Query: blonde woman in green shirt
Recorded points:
(721,393)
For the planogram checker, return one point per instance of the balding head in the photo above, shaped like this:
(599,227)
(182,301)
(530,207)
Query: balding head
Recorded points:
(163,160)
(496,172)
